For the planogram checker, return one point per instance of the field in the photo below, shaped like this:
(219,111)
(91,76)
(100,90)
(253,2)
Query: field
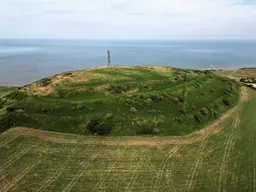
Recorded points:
(220,157)
(123,101)
(239,74)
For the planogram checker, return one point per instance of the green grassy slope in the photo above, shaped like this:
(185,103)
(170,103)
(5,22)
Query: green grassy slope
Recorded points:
(220,157)
(174,101)
(5,90)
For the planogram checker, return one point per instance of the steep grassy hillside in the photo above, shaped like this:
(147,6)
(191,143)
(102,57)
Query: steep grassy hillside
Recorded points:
(220,157)
(121,101)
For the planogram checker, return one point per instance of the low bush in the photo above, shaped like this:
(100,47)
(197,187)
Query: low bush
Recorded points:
(44,82)
(10,109)
(144,131)
(98,127)
(226,102)
(248,80)
(6,122)
(109,116)
(181,99)
(133,110)
(117,89)
(204,111)
(198,118)
(214,113)
(156,98)
(165,95)
(156,131)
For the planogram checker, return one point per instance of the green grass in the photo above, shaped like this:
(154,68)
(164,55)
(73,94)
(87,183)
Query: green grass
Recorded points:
(5,90)
(220,158)
(149,91)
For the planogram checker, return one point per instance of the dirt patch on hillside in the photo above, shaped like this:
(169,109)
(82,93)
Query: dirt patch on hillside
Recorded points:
(35,89)
(62,79)
(244,97)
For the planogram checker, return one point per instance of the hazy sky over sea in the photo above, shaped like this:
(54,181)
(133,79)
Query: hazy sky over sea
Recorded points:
(128,19)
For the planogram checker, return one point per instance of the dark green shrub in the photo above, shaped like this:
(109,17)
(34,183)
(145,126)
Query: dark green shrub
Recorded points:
(144,131)
(96,126)
(156,98)
(117,89)
(10,109)
(204,111)
(197,86)
(6,122)
(181,99)
(197,118)
(214,113)
(226,102)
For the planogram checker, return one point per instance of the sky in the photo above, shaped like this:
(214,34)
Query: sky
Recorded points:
(127,19)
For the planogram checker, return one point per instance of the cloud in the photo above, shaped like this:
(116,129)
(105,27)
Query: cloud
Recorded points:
(127,18)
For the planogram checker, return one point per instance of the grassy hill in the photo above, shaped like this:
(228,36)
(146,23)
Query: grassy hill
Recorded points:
(121,101)
(220,157)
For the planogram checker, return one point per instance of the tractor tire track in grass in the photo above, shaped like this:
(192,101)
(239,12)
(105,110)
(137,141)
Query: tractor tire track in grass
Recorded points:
(223,169)
(99,184)
(85,166)
(19,177)
(163,166)
(136,172)
(253,157)
(196,167)
(254,162)
(14,158)
(3,143)
(58,172)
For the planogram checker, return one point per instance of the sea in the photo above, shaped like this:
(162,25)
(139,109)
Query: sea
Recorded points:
(23,61)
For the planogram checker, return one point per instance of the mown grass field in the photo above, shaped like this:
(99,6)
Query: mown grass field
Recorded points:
(128,100)
(220,157)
